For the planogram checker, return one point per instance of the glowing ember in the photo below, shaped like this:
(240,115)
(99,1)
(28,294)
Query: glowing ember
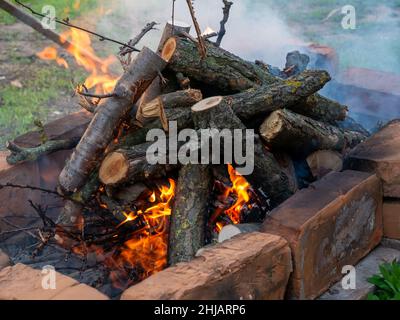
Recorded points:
(100,78)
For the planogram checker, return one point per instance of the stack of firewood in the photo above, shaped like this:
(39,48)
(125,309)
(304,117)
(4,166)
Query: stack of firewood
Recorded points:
(218,91)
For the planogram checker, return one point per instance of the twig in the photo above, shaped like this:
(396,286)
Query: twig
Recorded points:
(132,43)
(201,42)
(66,22)
(222,31)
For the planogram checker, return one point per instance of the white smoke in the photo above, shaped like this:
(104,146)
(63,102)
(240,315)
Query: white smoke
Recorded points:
(254,31)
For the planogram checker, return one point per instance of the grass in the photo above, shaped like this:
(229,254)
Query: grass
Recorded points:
(64,8)
(20,107)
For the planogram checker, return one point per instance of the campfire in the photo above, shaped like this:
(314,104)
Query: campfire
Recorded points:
(136,217)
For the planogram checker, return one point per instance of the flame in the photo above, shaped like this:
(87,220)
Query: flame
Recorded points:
(240,190)
(99,77)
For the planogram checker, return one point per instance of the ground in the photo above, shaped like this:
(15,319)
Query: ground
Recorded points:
(33,89)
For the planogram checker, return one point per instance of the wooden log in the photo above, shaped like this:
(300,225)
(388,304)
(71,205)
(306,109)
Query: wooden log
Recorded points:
(108,118)
(267,178)
(322,109)
(323,162)
(189,213)
(288,93)
(219,69)
(131,165)
(156,108)
(300,136)
(20,154)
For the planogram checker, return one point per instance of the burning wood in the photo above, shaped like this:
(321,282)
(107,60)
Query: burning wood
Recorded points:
(140,216)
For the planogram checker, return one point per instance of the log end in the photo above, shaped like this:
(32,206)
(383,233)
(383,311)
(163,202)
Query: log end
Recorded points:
(271,126)
(207,104)
(114,168)
(169,49)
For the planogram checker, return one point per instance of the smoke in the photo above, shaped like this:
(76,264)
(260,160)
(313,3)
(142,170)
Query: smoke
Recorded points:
(254,30)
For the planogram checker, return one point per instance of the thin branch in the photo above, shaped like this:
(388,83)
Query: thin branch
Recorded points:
(201,42)
(98,96)
(222,31)
(66,22)
(132,43)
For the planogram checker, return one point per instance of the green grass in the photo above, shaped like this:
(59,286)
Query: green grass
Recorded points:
(64,8)
(21,106)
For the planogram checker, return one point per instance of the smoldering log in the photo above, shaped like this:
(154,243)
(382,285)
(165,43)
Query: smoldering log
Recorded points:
(102,128)
(20,154)
(288,93)
(220,69)
(300,135)
(189,213)
(267,177)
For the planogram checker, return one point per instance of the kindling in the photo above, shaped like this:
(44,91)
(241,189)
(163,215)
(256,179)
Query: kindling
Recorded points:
(205,146)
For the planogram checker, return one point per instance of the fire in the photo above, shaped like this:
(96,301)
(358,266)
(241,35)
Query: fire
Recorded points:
(100,79)
(147,248)
(240,190)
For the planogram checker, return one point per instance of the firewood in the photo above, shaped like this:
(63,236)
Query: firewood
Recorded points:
(108,118)
(189,213)
(322,109)
(270,180)
(20,154)
(131,165)
(283,94)
(156,108)
(300,135)
(220,69)
(324,161)
(231,230)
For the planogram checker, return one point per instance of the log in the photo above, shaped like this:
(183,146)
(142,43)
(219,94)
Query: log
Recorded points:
(189,213)
(131,165)
(170,30)
(102,128)
(288,93)
(20,154)
(219,69)
(231,230)
(300,136)
(267,178)
(323,162)
(322,109)
(156,108)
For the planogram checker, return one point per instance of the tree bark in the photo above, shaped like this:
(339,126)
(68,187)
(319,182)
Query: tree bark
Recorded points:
(20,155)
(108,118)
(300,136)
(189,213)
(288,93)
(220,69)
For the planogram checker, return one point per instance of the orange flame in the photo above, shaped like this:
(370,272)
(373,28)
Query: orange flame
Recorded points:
(240,188)
(100,78)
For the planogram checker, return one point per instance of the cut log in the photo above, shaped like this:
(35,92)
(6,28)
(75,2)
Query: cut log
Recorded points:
(156,108)
(20,155)
(300,136)
(108,118)
(283,94)
(231,230)
(220,69)
(324,161)
(267,178)
(189,213)
(131,165)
